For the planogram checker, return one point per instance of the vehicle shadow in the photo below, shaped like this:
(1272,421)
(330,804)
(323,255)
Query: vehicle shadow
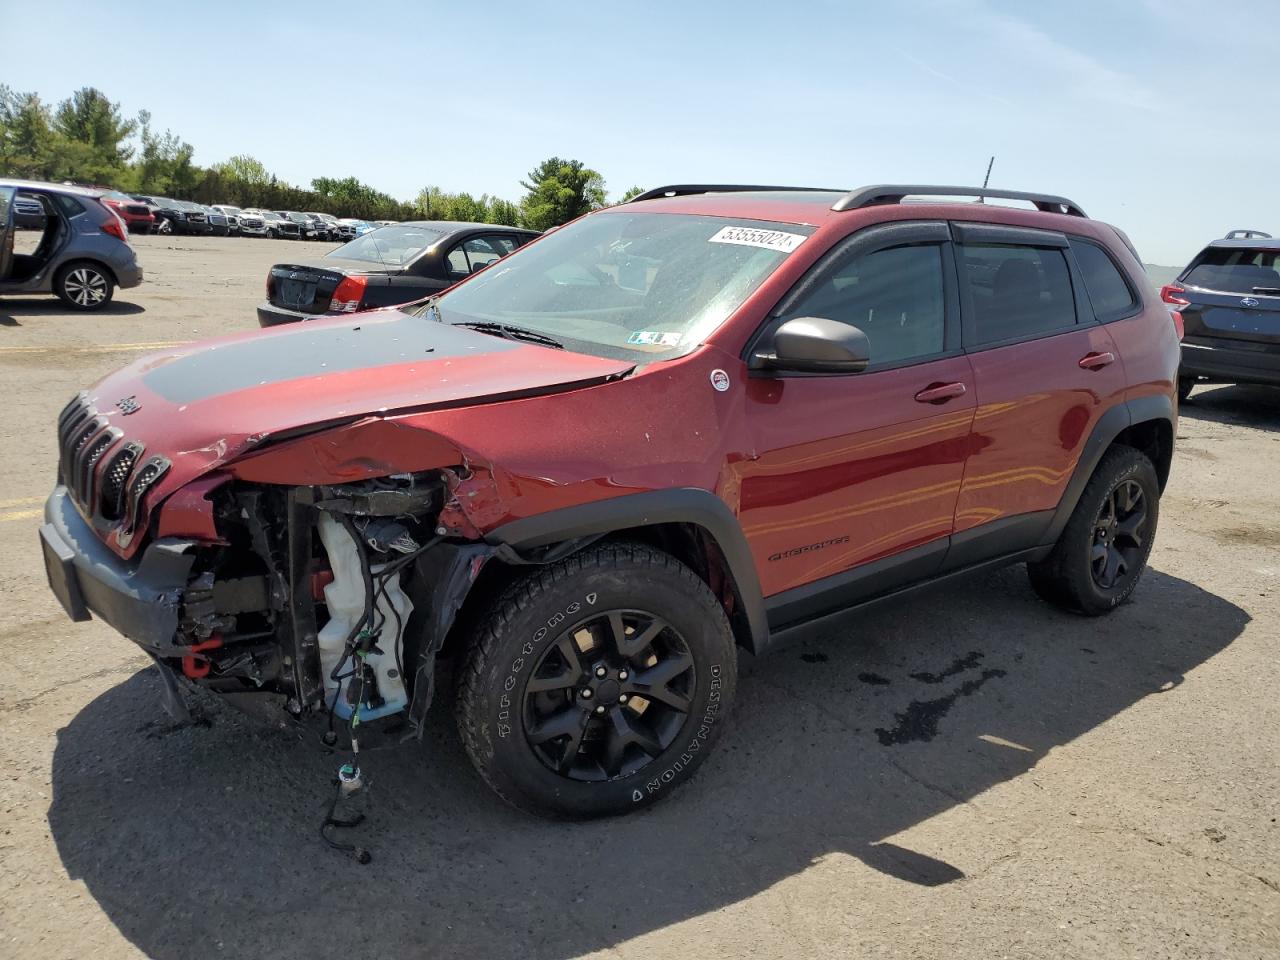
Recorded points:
(201,841)
(1244,405)
(11,310)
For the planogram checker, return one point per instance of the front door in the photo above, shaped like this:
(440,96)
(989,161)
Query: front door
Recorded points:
(856,468)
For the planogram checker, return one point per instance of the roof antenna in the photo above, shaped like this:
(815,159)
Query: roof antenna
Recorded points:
(987,179)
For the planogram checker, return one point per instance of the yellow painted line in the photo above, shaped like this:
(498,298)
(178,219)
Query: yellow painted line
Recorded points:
(95,348)
(21,515)
(20,502)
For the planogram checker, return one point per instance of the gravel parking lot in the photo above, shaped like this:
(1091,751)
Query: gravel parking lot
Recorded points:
(969,774)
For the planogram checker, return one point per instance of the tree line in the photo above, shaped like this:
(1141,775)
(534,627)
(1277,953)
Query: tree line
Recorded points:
(88,139)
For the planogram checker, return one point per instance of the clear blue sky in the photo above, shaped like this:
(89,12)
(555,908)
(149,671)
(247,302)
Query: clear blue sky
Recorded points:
(1156,115)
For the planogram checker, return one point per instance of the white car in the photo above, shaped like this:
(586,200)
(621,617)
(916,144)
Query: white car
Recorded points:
(253,223)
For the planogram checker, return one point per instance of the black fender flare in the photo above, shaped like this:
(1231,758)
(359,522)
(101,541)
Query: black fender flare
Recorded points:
(691,505)
(1110,425)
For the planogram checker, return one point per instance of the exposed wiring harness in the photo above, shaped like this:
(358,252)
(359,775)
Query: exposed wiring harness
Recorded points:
(360,642)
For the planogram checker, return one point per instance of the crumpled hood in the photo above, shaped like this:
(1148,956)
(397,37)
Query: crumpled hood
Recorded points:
(206,404)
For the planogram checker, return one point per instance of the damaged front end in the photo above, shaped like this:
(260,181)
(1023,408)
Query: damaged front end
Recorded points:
(336,597)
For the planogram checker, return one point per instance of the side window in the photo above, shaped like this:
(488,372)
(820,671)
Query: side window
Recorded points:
(1016,291)
(482,251)
(503,244)
(1108,292)
(70,205)
(895,296)
(456,263)
(478,252)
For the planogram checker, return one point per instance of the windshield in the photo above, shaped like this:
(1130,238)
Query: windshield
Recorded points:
(389,245)
(1236,270)
(117,195)
(628,285)
(234,211)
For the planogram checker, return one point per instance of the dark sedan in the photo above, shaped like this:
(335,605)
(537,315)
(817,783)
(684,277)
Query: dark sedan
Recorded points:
(388,266)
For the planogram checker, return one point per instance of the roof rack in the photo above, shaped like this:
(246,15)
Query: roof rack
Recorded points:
(1247,235)
(897,192)
(872,196)
(691,189)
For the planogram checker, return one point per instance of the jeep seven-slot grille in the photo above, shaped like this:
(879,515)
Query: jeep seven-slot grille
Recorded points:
(115,478)
(101,469)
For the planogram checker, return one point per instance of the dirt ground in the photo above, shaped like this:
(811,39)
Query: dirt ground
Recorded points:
(966,775)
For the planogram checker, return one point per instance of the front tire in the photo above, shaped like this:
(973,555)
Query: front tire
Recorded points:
(84,286)
(1097,562)
(597,685)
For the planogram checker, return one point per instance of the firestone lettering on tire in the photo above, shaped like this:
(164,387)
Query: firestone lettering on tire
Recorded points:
(517,665)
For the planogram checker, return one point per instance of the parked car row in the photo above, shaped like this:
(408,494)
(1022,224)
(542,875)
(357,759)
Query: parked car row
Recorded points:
(145,213)
(224,219)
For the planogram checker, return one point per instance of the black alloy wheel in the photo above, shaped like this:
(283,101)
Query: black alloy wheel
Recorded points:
(597,684)
(1120,534)
(609,695)
(1102,551)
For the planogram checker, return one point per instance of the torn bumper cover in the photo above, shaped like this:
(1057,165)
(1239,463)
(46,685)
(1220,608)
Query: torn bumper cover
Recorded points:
(140,598)
(260,614)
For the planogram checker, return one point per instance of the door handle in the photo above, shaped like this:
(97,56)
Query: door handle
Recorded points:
(940,392)
(1096,361)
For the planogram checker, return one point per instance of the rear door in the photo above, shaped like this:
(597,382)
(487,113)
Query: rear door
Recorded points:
(1233,295)
(1044,369)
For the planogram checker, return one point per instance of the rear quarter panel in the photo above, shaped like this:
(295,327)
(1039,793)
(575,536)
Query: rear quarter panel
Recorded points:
(1147,341)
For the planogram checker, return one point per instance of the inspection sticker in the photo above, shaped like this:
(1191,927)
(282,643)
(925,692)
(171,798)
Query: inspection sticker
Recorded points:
(753,237)
(658,338)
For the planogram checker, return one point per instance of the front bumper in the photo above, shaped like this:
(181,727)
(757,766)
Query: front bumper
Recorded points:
(141,599)
(1243,363)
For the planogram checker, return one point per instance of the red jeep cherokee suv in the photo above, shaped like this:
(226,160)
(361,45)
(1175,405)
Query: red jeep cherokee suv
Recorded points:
(689,423)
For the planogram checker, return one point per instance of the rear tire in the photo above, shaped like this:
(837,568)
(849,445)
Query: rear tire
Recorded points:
(1185,386)
(1099,558)
(596,685)
(83,285)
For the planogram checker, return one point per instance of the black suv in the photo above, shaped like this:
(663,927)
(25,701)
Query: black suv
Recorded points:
(1229,301)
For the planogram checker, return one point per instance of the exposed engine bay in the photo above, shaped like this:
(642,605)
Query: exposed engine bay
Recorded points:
(337,597)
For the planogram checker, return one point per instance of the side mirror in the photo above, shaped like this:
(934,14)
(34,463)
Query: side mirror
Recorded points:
(816,345)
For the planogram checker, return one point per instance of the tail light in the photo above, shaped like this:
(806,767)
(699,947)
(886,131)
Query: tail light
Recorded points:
(1169,293)
(115,226)
(346,299)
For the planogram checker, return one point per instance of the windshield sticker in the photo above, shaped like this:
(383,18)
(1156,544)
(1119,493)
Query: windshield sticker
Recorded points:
(751,237)
(657,338)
